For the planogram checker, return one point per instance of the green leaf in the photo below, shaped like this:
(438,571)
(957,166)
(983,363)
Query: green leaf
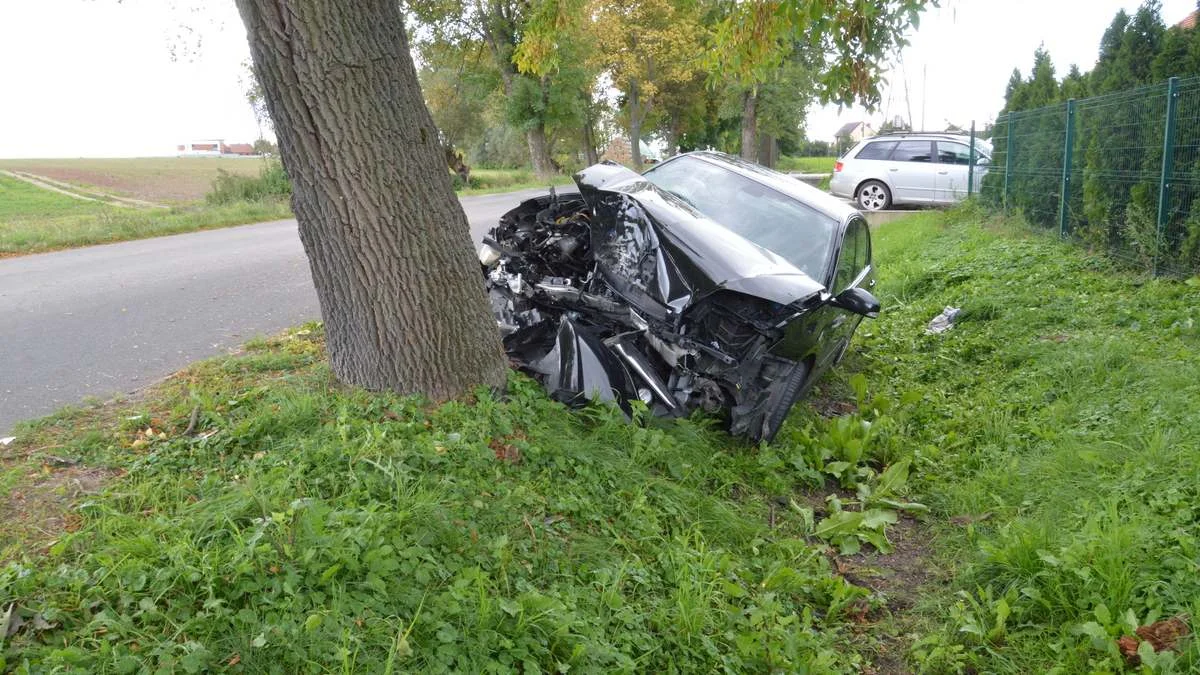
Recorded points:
(837,468)
(874,519)
(893,479)
(312,622)
(842,522)
(733,590)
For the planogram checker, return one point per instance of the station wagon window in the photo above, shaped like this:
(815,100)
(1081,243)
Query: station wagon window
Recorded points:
(855,255)
(953,153)
(913,151)
(876,150)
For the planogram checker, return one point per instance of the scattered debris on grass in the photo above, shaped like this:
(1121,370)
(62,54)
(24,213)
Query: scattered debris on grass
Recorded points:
(1161,636)
(942,322)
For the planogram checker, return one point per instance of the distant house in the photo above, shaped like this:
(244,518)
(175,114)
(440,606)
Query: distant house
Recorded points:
(1189,21)
(214,148)
(853,132)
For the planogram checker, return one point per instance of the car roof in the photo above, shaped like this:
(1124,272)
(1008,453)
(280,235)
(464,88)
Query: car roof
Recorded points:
(817,199)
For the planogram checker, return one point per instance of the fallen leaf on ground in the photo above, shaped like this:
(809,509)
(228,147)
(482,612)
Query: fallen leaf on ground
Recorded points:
(1162,635)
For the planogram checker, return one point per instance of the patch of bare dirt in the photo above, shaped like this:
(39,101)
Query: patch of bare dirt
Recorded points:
(37,509)
(897,578)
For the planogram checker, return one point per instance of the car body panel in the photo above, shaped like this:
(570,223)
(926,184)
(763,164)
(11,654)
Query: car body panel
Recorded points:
(936,181)
(626,291)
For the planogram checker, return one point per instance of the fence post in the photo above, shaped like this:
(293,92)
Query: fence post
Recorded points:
(1168,166)
(971,164)
(1066,172)
(1008,157)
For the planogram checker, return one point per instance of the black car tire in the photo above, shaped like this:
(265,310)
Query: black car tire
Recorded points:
(793,388)
(873,195)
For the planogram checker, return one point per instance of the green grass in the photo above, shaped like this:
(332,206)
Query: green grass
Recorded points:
(1060,418)
(492,181)
(806,164)
(33,220)
(1052,435)
(309,527)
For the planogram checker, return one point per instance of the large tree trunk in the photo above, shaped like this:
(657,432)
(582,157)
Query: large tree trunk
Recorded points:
(387,241)
(539,151)
(672,137)
(589,143)
(768,150)
(750,126)
(635,126)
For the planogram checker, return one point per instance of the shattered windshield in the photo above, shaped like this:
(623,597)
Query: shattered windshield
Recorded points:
(799,234)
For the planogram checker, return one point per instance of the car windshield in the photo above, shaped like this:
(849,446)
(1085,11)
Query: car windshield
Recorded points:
(790,229)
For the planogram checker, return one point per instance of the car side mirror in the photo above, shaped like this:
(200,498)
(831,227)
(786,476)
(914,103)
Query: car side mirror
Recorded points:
(983,161)
(858,301)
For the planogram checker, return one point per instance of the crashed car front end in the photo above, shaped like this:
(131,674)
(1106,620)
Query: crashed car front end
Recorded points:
(623,292)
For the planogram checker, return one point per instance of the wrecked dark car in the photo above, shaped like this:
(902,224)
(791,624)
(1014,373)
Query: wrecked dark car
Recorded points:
(708,283)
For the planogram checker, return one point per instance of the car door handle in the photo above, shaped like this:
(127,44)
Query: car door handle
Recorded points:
(943,173)
(893,169)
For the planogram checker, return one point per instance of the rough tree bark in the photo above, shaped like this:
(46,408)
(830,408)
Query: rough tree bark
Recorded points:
(635,125)
(387,241)
(590,155)
(750,126)
(539,149)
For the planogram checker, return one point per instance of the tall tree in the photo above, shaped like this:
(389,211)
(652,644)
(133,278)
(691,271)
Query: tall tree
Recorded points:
(535,50)
(646,46)
(753,39)
(387,241)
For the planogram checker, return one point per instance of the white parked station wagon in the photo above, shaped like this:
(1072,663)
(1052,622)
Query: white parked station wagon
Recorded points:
(908,168)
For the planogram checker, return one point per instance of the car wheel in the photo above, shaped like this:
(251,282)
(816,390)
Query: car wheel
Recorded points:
(792,390)
(873,196)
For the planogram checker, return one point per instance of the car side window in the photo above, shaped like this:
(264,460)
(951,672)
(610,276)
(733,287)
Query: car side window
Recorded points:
(953,153)
(876,150)
(913,151)
(862,254)
(854,256)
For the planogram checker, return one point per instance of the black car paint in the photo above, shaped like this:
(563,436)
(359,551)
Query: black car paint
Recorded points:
(677,271)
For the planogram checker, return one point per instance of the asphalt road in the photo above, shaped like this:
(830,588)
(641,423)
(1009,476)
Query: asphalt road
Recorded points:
(106,320)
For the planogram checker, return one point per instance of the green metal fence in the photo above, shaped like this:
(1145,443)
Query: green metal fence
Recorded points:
(1119,172)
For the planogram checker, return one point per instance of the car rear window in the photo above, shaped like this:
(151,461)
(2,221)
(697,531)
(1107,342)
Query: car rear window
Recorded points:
(878,150)
(913,151)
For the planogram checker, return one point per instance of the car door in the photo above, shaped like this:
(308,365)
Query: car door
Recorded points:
(854,270)
(913,172)
(953,162)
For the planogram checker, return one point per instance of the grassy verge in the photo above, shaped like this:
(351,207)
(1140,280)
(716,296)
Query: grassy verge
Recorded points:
(806,164)
(300,525)
(493,181)
(1058,443)
(33,220)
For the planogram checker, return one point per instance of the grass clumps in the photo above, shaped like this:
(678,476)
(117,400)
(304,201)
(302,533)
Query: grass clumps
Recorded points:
(1061,444)
(271,183)
(1048,444)
(303,526)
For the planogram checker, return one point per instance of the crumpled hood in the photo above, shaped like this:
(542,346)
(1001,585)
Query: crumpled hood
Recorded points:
(710,256)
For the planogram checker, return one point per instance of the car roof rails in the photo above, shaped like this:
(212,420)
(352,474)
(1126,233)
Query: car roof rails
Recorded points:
(901,134)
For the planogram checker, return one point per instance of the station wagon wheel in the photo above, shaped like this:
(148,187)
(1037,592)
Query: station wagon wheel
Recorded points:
(873,196)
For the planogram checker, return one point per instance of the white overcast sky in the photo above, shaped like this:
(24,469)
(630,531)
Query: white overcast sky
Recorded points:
(96,78)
